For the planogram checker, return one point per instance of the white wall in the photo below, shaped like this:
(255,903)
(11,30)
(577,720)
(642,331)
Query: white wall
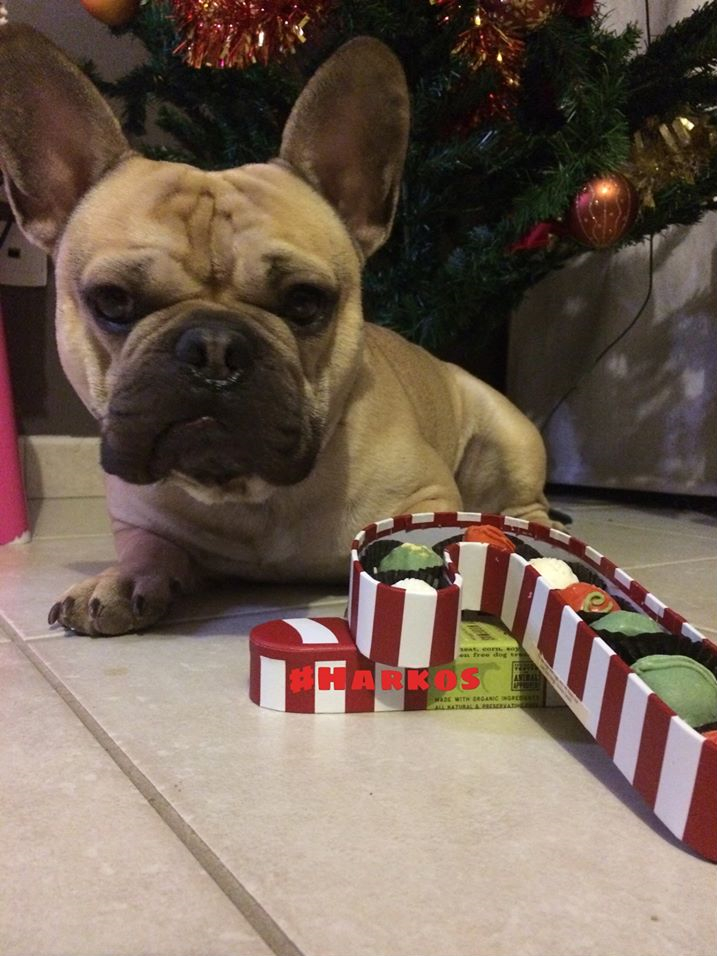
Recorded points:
(646,416)
(71,27)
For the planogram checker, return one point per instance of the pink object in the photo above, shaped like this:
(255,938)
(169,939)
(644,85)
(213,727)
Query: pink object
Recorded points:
(13,513)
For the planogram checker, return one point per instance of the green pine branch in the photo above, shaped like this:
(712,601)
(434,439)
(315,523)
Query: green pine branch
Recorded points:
(469,193)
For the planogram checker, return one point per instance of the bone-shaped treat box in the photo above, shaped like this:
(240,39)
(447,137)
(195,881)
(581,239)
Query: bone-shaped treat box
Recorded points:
(378,658)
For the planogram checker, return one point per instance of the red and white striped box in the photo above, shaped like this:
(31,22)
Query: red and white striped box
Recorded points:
(312,666)
(669,763)
(397,627)
(282,649)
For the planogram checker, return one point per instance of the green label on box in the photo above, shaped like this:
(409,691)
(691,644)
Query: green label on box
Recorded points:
(491,670)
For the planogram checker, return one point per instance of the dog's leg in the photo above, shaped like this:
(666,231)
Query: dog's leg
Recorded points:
(503,467)
(133,594)
(416,481)
(507,476)
(432,498)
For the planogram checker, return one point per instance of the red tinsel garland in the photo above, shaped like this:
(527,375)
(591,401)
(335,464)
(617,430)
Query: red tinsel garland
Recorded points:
(496,38)
(237,33)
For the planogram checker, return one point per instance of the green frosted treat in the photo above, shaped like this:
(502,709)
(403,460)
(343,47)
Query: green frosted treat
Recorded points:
(628,623)
(410,557)
(683,684)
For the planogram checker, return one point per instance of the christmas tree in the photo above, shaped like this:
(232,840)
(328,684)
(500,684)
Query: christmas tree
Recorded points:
(537,132)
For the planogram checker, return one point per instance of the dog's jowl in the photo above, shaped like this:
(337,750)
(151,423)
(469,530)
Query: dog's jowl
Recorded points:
(250,421)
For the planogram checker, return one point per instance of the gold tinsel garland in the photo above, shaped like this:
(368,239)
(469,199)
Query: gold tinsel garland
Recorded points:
(668,151)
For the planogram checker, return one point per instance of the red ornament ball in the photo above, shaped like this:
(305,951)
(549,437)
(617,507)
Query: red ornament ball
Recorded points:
(603,211)
(518,15)
(113,13)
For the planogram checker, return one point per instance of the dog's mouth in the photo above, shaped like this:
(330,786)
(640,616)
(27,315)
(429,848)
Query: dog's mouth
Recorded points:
(205,450)
(200,448)
(212,452)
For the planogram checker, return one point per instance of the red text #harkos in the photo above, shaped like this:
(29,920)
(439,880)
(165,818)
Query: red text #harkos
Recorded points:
(336,678)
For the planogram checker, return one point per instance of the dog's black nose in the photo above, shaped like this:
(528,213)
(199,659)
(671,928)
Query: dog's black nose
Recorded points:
(219,356)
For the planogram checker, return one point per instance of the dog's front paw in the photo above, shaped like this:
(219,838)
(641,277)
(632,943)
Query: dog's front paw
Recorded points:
(540,513)
(115,602)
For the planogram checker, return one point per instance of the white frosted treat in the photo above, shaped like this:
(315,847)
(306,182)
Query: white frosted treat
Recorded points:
(556,572)
(415,586)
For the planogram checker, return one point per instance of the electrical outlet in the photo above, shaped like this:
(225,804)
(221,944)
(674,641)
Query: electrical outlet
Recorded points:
(20,262)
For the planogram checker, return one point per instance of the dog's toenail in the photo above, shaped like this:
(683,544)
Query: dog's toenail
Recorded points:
(138,604)
(94,607)
(54,613)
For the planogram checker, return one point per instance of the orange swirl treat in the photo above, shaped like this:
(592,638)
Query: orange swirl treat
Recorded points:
(588,597)
(488,534)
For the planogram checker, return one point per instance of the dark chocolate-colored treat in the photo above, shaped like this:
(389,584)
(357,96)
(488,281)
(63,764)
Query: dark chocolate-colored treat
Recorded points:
(524,549)
(587,575)
(591,616)
(440,546)
(623,602)
(632,648)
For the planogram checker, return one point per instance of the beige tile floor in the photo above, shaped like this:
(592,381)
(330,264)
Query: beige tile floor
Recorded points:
(148,807)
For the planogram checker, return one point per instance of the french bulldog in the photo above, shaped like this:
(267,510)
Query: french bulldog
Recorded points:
(251,420)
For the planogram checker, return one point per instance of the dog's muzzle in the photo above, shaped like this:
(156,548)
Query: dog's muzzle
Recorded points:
(213,398)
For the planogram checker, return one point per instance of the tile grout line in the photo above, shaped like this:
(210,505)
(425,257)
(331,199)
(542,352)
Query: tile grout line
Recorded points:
(71,537)
(8,630)
(667,532)
(670,524)
(256,915)
(667,564)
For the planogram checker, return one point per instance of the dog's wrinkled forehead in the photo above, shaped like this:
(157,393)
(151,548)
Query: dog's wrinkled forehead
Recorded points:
(193,230)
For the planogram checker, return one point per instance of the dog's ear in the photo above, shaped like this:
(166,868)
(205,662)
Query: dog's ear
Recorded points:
(347,135)
(57,135)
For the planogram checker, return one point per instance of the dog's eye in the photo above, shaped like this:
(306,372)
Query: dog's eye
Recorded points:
(112,307)
(305,304)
